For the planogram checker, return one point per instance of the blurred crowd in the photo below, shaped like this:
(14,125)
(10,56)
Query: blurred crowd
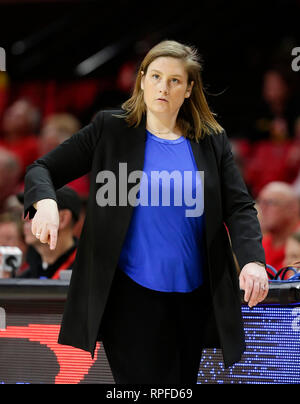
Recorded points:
(24,137)
(268,156)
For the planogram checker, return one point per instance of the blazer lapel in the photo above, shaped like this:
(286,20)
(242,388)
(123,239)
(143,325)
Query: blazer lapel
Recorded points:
(135,147)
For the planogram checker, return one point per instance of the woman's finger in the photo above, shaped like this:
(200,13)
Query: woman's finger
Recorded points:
(36,227)
(248,289)
(264,289)
(53,237)
(255,294)
(43,235)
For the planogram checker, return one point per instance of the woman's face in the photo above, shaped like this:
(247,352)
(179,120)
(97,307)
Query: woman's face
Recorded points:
(165,86)
(292,252)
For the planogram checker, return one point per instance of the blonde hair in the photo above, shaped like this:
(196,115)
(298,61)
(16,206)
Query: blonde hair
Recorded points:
(195,118)
(11,217)
(64,123)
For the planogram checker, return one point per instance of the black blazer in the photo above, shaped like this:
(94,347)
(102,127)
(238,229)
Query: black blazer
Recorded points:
(101,145)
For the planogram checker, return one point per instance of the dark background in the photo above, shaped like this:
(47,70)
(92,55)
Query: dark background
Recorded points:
(237,40)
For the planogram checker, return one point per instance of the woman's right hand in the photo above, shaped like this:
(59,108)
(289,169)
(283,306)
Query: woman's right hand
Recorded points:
(45,223)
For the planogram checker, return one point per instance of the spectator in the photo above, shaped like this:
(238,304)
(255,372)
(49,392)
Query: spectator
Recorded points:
(279,217)
(270,161)
(19,127)
(11,234)
(10,172)
(292,254)
(271,154)
(46,263)
(56,129)
(294,156)
(274,160)
(278,109)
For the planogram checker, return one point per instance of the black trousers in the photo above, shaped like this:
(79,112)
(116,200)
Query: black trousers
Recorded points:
(152,337)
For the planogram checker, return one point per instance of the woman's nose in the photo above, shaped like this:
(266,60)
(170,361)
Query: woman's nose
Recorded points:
(164,87)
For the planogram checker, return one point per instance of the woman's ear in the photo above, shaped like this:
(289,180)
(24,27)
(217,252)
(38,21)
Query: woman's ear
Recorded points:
(142,80)
(189,90)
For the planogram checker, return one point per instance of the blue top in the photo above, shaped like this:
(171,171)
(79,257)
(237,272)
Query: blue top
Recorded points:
(163,248)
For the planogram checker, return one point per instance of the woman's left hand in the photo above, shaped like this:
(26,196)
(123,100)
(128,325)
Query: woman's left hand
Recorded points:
(254,281)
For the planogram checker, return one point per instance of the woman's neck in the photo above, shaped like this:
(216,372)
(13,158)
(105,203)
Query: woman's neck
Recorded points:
(163,127)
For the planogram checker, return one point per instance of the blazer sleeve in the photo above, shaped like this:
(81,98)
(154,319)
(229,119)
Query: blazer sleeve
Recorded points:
(70,160)
(239,213)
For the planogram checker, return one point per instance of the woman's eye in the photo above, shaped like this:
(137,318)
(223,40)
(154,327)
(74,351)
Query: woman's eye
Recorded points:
(175,80)
(155,76)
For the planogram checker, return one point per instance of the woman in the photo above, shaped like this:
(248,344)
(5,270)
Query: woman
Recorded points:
(155,283)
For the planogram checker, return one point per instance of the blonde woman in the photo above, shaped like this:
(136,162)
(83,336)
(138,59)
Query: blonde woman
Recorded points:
(154,277)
